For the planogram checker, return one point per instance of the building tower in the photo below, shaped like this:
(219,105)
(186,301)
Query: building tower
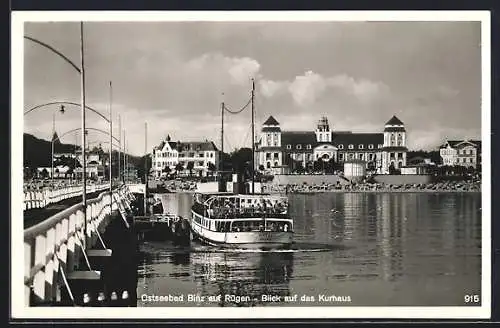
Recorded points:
(394,149)
(269,149)
(323,132)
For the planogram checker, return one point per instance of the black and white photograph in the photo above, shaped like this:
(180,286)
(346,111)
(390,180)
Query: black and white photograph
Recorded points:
(253,165)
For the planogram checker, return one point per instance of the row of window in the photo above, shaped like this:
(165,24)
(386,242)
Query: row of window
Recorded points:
(165,154)
(183,163)
(460,152)
(451,161)
(466,152)
(341,146)
(394,155)
(275,155)
(192,154)
(342,157)
(360,156)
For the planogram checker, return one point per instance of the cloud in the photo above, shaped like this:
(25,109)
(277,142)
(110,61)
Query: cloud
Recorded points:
(270,88)
(306,89)
(239,71)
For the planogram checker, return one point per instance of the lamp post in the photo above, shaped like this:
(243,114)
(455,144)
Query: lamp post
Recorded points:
(119,148)
(110,146)
(124,155)
(52,144)
(80,69)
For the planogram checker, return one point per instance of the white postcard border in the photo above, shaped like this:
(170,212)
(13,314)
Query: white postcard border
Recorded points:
(19,311)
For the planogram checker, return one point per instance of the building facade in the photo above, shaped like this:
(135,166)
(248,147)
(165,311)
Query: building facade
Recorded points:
(280,151)
(463,153)
(203,155)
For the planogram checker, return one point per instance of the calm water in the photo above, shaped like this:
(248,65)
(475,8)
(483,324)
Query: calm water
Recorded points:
(372,249)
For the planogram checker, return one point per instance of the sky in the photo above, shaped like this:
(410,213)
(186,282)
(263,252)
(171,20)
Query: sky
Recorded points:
(174,76)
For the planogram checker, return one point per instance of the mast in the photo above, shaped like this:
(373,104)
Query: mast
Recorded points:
(110,147)
(119,150)
(222,138)
(145,165)
(253,137)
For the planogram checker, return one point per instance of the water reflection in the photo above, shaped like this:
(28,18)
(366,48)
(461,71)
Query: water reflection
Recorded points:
(247,275)
(379,248)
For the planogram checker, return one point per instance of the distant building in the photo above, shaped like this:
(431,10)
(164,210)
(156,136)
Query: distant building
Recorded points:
(281,151)
(95,164)
(416,169)
(463,153)
(203,154)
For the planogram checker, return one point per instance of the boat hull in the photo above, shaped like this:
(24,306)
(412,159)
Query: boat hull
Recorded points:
(243,239)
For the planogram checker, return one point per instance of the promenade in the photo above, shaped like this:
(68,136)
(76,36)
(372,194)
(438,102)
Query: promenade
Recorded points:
(461,186)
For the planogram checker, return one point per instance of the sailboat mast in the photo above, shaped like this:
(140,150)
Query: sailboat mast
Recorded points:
(221,160)
(253,137)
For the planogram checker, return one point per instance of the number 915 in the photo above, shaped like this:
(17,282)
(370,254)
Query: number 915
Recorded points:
(472,299)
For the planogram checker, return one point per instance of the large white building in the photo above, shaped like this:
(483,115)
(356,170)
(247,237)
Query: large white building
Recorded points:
(461,152)
(278,151)
(203,154)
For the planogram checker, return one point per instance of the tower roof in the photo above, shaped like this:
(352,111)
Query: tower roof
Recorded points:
(394,121)
(271,121)
(55,138)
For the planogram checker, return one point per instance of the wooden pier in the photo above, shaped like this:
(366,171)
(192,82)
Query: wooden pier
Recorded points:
(78,259)
(84,258)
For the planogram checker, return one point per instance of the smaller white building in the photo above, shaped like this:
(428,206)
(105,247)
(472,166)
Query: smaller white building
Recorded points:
(199,158)
(465,153)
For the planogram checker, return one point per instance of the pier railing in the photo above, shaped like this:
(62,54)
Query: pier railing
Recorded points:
(42,198)
(53,247)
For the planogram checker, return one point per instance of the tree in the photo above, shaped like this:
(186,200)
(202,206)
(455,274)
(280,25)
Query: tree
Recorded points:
(211,167)
(392,169)
(261,167)
(179,168)
(166,169)
(299,167)
(332,165)
(190,166)
(27,173)
(44,173)
(240,160)
(318,165)
(371,166)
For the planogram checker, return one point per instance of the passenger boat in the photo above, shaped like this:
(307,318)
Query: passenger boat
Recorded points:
(240,219)
(255,221)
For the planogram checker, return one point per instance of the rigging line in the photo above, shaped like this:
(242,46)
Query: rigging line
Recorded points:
(240,110)
(230,147)
(247,135)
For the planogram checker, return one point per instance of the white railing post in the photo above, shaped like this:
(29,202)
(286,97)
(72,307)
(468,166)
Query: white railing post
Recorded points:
(28,263)
(39,278)
(70,260)
(50,263)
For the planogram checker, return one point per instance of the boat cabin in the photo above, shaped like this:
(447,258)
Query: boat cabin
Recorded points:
(239,213)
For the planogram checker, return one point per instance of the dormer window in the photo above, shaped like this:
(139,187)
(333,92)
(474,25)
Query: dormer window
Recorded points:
(379,145)
(299,146)
(288,146)
(370,146)
(360,146)
(351,146)
(308,146)
(341,146)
